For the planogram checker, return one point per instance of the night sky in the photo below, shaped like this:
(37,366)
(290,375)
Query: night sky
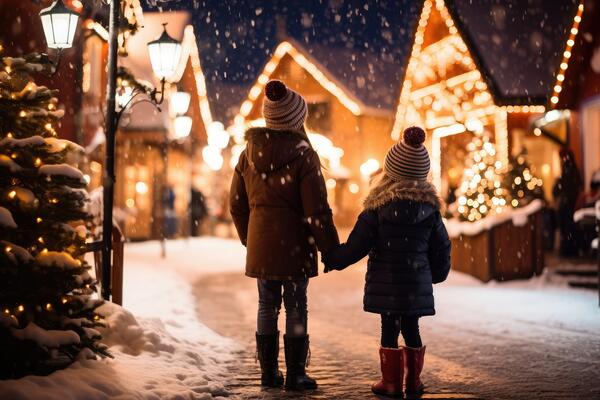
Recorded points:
(366,44)
(236,39)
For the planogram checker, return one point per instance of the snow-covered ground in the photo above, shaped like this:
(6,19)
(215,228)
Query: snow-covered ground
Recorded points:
(161,349)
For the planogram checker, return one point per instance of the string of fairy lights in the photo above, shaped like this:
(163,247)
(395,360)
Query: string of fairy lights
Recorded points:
(328,82)
(445,92)
(560,76)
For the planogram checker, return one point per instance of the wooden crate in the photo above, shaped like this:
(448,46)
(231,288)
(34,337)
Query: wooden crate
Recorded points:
(505,252)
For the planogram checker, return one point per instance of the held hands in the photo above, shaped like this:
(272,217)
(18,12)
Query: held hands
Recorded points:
(328,265)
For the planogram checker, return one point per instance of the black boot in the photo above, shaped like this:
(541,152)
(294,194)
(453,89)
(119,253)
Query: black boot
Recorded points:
(267,349)
(296,352)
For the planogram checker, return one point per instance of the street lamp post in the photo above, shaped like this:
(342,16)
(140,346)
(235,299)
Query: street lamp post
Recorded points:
(109,163)
(59,24)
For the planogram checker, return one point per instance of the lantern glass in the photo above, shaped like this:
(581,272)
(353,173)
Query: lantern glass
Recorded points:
(164,55)
(59,24)
(182,127)
(179,103)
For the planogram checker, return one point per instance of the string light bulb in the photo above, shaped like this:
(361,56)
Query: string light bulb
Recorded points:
(567,53)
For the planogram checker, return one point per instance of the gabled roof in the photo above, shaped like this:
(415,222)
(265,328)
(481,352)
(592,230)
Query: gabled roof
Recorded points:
(517,45)
(361,80)
(372,78)
(364,47)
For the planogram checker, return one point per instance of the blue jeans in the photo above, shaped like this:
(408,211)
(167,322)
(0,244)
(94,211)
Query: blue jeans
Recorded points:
(269,304)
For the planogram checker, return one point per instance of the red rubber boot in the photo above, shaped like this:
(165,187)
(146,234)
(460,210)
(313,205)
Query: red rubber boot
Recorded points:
(414,358)
(392,372)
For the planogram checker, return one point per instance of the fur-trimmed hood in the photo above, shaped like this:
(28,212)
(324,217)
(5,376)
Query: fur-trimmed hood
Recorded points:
(387,190)
(268,150)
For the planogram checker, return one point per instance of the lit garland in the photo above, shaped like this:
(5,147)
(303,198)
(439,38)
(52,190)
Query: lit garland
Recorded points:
(449,103)
(309,65)
(560,77)
(407,85)
(523,186)
(190,45)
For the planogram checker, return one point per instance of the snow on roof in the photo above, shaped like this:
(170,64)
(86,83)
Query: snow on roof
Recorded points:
(518,45)
(364,47)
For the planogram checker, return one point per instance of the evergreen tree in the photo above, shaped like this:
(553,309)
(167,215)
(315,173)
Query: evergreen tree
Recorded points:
(481,192)
(47,310)
(523,187)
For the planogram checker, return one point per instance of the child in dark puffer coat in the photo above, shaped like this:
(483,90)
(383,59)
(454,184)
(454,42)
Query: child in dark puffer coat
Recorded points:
(401,230)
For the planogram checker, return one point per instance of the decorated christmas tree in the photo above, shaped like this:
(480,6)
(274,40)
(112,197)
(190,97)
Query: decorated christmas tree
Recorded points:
(47,310)
(481,192)
(523,187)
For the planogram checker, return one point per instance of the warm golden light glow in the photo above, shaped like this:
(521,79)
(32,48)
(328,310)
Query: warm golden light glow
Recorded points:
(310,66)
(560,77)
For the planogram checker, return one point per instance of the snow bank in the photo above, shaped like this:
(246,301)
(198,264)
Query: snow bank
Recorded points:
(536,303)
(161,349)
(517,216)
(149,363)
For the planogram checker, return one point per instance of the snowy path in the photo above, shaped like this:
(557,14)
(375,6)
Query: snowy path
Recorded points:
(162,350)
(187,333)
(510,341)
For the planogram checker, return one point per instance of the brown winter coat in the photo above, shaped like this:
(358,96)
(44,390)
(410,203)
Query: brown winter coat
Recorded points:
(279,205)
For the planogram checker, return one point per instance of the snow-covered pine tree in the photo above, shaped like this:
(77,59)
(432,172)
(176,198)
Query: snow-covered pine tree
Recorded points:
(481,192)
(522,186)
(47,313)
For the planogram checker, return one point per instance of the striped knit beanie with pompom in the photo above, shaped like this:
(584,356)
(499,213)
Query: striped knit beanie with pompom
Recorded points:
(283,108)
(408,159)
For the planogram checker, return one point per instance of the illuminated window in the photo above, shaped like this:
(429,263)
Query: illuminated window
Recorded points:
(319,117)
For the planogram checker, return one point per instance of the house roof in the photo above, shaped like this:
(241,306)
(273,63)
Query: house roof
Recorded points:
(575,71)
(307,59)
(517,45)
(365,47)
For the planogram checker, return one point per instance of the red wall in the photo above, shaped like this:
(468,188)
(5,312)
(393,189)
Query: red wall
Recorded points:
(22,33)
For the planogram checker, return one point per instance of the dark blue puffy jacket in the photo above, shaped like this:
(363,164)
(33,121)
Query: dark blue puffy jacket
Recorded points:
(408,249)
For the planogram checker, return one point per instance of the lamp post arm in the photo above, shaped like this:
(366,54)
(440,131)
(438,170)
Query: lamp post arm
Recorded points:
(155,93)
(55,63)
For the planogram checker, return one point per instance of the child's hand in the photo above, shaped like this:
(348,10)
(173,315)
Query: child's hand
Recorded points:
(328,266)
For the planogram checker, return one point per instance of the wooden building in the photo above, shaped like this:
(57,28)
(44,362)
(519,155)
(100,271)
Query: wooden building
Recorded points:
(469,75)
(155,168)
(577,88)
(344,126)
